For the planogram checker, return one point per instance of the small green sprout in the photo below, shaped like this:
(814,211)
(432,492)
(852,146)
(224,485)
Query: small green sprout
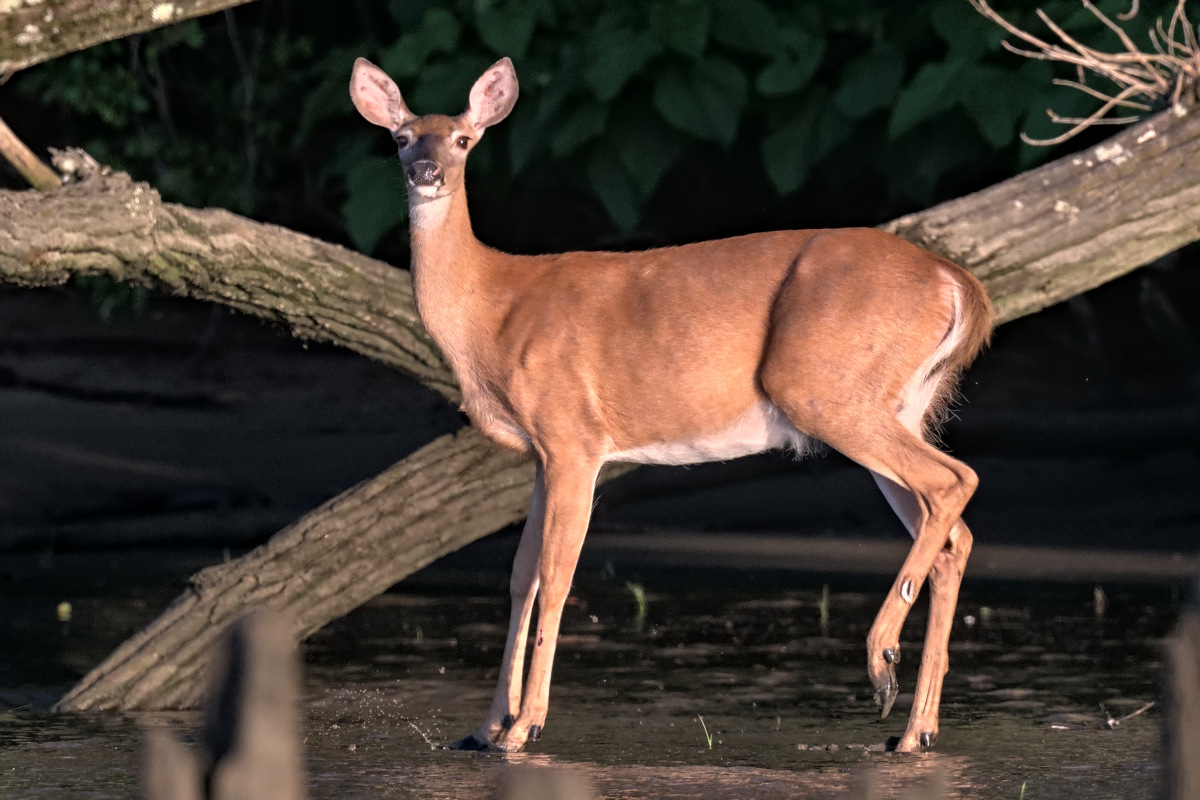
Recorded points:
(707,736)
(824,608)
(639,596)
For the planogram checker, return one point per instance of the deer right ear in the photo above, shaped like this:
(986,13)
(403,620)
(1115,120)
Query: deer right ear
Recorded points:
(377,97)
(493,95)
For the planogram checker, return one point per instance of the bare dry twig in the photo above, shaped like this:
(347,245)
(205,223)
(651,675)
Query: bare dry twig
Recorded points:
(1110,723)
(25,162)
(1159,77)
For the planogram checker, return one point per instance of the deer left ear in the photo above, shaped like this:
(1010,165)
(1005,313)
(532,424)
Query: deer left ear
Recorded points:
(492,96)
(377,97)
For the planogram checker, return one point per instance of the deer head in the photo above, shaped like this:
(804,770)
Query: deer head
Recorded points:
(433,148)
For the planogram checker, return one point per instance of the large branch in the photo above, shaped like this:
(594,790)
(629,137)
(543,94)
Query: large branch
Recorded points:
(1076,223)
(454,490)
(110,225)
(1034,239)
(33,31)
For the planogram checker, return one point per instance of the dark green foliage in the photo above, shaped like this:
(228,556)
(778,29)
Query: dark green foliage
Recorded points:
(249,110)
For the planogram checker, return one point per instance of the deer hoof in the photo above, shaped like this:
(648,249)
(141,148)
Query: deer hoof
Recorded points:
(927,739)
(535,732)
(886,691)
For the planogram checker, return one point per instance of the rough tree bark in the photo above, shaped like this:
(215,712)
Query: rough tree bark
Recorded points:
(1034,240)
(1076,223)
(321,567)
(123,229)
(33,31)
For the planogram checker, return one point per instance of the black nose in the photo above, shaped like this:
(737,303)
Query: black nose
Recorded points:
(425,173)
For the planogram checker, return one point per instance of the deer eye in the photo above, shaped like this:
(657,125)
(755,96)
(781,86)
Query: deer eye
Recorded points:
(463,142)
(400,139)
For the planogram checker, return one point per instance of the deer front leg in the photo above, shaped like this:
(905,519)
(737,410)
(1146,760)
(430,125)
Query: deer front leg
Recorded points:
(945,578)
(569,489)
(523,587)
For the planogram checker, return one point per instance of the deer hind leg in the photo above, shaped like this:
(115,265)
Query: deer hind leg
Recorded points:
(945,578)
(940,487)
(569,485)
(933,489)
(945,575)
(523,587)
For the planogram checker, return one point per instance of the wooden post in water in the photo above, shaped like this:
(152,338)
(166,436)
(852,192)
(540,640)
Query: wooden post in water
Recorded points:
(250,743)
(1181,673)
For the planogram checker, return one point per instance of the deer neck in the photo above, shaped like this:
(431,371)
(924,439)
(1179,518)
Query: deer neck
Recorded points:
(450,272)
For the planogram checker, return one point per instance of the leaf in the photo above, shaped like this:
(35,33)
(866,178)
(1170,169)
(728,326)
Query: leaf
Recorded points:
(438,33)
(327,98)
(615,188)
(706,101)
(528,136)
(747,25)
(808,135)
(969,33)
(407,13)
(681,25)
(584,123)
(615,56)
(869,81)
(645,145)
(932,90)
(997,103)
(507,30)
(920,163)
(790,74)
(1037,123)
(445,83)
(376,201)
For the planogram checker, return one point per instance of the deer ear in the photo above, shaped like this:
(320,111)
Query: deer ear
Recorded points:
(377,97)
(492,96)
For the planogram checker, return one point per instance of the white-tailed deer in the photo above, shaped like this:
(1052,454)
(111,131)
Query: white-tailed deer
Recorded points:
(679,355)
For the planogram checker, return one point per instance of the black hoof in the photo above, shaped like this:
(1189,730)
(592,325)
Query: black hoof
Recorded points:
(885,695)
(508,721)
(535,732)
(471,743)
(891,744)
(927,739)
(891,656)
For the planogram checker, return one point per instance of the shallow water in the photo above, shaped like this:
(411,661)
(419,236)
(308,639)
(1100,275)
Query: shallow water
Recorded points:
(1024,704)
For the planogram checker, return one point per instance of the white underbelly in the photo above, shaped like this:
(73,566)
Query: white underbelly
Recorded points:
(764,428)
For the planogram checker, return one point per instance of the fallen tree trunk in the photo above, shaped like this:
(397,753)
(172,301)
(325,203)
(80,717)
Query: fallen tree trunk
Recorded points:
(123,230)
(456,488)
(1076,223)
(33,31)
(1034,239)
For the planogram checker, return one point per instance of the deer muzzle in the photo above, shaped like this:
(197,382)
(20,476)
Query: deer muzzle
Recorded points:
(425,173)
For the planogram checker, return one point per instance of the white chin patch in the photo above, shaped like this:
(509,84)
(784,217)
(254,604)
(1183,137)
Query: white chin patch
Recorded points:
(428,192)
